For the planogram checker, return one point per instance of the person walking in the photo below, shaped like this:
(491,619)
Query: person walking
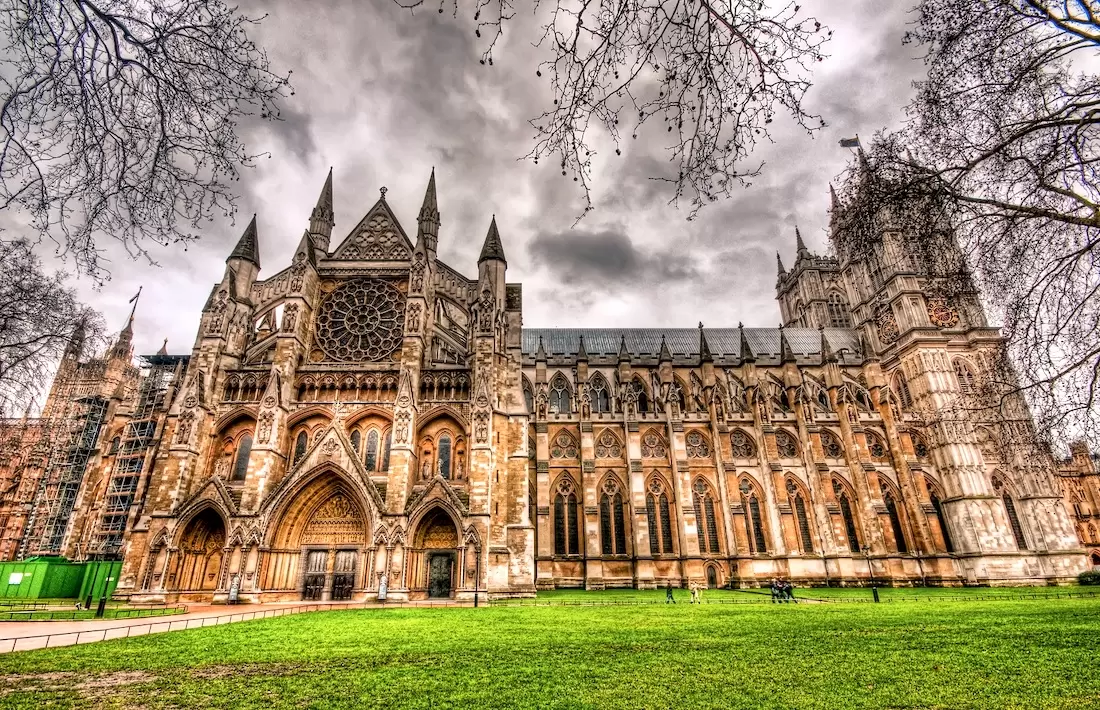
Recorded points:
(775,591)
(669,599)
(694,593)
(788,589)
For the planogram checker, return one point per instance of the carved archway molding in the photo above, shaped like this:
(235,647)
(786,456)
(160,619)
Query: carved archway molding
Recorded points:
(293,505)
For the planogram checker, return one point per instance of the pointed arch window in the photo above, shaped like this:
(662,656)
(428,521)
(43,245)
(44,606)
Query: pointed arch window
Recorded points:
(965,376)
(386,450)
(356,440)
(301,442)
(528,396)
(659,516)
(560,396)
(901,387)
(785,444)
(895,520)
(1013,516)
(705,520)
(608,446)
(837,306)
(697,445)
(443,458)
(798,505)
(598,394)
(653,446)
(846,516)
(370,454)
(754,522)
(937,505)
(244,450)
(920,448)
(566,532)
(875,446)
(612,519)
(643,400)
(831,445)
(564,446)
(115,442)
(742,445)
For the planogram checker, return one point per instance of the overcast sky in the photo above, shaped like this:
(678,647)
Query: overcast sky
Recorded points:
(383,96)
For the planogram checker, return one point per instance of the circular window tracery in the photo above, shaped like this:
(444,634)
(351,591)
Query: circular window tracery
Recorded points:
(361,321)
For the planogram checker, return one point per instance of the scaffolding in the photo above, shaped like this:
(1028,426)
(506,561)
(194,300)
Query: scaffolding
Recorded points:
(134,456)
(71,441)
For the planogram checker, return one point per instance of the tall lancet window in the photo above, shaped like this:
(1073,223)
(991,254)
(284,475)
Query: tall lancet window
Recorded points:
(444,456)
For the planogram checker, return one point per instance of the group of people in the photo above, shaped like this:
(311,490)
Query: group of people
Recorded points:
(782,591)
(696,593)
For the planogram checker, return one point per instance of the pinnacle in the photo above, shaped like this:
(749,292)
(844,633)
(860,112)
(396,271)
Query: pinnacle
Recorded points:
(324,200)
(248,248)
(492,248)
(746,352)
(827,354)
(306,248)
(582,354)
(704,347)
(431,204)
(799,244)
(540,354)
(785,352)
(664,355)
(779,260)
(163,348)
(624,354)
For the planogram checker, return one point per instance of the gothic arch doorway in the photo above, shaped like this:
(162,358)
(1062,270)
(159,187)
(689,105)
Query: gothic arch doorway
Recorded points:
(201,552)
(433,560)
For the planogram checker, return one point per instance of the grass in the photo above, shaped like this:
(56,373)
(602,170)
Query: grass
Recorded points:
(967,654)
(110,612)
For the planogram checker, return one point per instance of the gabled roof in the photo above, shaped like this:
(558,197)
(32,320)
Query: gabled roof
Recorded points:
(377,237)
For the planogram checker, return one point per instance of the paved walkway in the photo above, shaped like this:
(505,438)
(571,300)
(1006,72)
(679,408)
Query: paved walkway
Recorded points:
(29,635)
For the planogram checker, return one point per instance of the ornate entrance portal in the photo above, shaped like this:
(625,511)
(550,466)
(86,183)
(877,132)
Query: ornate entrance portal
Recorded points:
(343,575)
(433,560)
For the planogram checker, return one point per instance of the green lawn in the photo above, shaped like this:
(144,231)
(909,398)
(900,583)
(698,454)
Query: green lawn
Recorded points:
(965,654)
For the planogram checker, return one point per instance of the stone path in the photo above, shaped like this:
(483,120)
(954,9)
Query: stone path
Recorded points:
(29,635)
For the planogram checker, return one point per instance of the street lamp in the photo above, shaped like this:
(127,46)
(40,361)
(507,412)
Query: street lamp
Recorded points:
(871,571)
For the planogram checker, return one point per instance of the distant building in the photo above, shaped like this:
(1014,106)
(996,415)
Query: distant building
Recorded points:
(370,415)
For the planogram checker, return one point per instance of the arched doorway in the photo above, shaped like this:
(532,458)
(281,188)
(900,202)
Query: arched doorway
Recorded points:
(434,558)
(201,546)
(1095,559)
(712,577)
(318,548)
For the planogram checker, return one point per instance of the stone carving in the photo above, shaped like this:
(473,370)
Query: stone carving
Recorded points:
(378,240)
(361,321)
(887,326)
(401,427)
(330,446)
(414,317)
(290,318)
(481,427)
(183,428)
(263,429)
(417,273)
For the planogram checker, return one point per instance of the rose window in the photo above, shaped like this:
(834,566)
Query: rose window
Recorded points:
(361,321)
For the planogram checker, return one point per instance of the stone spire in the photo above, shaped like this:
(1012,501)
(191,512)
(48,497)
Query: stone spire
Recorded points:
(428,222)
(75,348)
(322,219)
(704,347)
(800,245)
(834,201)
(624,354)
(163,348)
(868,353)
(746,351)
(540,354)
(664,355)
(248,248)
(306,250)
(123,347)
(492,248)
(827,354)
(582,354)
(779,261)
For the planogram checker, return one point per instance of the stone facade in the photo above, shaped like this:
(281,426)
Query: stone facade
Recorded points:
(368,418)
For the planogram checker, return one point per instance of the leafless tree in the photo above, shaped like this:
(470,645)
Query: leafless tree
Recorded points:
(710,74)
(40,316)
(119,117)
(1001,147)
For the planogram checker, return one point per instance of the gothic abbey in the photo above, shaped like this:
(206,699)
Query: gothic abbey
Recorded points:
(369,413)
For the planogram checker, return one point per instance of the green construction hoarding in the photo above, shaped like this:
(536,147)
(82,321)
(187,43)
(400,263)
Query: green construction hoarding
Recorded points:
(57,578)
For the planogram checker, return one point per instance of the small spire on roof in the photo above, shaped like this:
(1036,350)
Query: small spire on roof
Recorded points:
(827,354)
(704,347)
(492,248)
(540,354)
(785,352)
(664,355)
(746,352)
(624,354)
(582,354)
(248,248)
(163,348)
(800,245)
(779,261)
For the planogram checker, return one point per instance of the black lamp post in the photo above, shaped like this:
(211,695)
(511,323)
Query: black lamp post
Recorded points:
(871,571)
(477,575)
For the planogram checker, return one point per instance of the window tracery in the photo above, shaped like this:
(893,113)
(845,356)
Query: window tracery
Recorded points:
(598,394)
(831,445)
(561,398)
(705,519)
(754,522)
(608,446)
(653,446)
(875,446)
(798,505)
(965,376)
(742,445)
(301,442)
(697,445)
(659,517)
(839,316)
(564,446)
(785,444)
(846,515)
(244,450)
(566,531)
(361,321)
(612,519)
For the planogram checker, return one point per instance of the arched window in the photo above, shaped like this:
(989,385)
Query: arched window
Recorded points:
(612,519)
(895,520)
(920,447)
(560,398)
(660,518)
(386,450)
(115,442)
(643,400)
(566,532)
(598,395)
(444,457)
(608,446)
(244,450)
(901,388)
(965,376)
(846,515)
(937,505)
(798,505)
(705,519)
(754,522)
(356,440)
(786,445)
(742,445)
(1013,516)
(564,446)
(839,317)
(831,445)
(528,396)
(301,442)
(697,445)
(370,454)
(875,446)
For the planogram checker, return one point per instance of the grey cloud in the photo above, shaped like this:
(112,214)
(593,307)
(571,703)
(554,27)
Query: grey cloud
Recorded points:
(606,258)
